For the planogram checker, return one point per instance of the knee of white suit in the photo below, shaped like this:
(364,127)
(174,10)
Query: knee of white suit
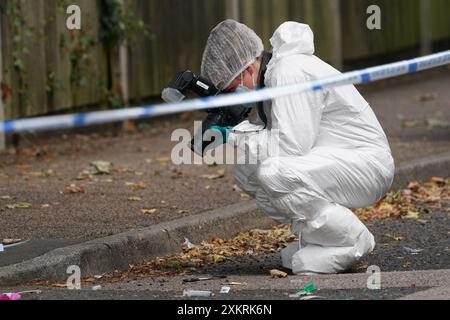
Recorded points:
(334,226)
(277,179)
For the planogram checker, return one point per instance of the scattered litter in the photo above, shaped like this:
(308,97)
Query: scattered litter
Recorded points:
(30,292)
(9,243)
(245,196)
(96,288)
(306,291)
(236,188)
(413,251)
(101,167)
(234,283)
(187,245)
(99,276)
(225,290)
(203,279)
(5,197)
(312,298)
(195,293)
(278,274)
(13,296)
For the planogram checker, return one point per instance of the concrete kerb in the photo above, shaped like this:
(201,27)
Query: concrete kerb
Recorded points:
(119,251)
(422,169)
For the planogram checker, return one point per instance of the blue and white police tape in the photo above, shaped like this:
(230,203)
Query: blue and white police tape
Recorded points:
(102,117)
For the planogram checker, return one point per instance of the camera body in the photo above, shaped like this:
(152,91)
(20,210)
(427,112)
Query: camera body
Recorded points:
(186,82)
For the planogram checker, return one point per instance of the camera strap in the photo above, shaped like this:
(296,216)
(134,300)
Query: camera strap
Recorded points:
(267,56)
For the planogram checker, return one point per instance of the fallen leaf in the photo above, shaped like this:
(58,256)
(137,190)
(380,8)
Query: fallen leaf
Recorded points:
(410,123)
(149,211)
(413,186)
(72,189)
(39,174)
(215,258)
(363,266)
(8,242)
(101,167)
(20,205)
(438,124)
(398,238)
(438,180)
(278,274)
(412,215)
(164,160)
(23,166)
(135,199)
(136,186)
(425,97)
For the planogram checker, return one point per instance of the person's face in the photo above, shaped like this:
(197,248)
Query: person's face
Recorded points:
(248,78)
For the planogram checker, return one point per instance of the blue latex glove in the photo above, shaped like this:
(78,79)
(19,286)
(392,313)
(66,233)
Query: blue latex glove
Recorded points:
(224,131)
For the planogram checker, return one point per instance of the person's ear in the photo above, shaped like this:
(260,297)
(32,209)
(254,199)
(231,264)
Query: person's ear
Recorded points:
(251,69)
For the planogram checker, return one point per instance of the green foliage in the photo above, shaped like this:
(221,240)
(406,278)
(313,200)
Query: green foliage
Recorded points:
(118,24)
(18,19)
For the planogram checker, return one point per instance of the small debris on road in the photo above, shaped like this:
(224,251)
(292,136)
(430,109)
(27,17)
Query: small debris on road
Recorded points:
(149,211)
(196,293)
(12,296)
(225,290)
(413,251)
(101,167)
(278,274)
(73,189)
(19,205)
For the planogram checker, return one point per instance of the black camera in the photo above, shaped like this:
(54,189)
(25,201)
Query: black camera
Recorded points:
(186,82)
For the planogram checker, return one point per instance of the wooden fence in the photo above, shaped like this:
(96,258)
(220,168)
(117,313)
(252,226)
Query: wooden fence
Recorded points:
(48,69)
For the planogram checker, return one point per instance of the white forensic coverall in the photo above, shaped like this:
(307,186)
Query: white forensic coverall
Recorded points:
(331,155)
